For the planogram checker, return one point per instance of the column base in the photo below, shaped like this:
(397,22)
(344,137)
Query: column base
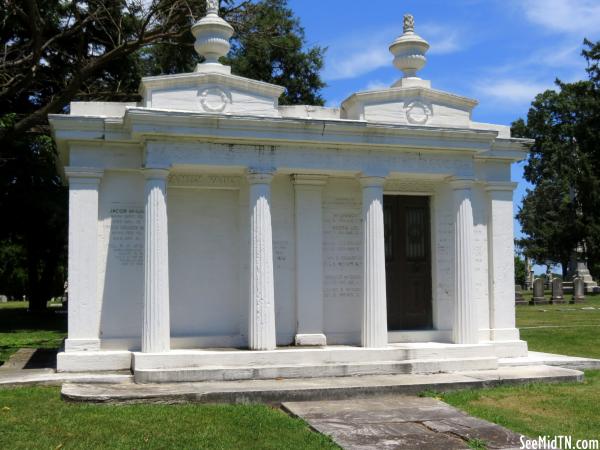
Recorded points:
(82,345)
(93,361)
(310,339)
(504,334)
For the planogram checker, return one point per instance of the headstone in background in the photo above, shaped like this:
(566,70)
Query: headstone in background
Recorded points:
(538,292)
(578,290)
(3,299)
(519,300)
(557,291)
(529,282)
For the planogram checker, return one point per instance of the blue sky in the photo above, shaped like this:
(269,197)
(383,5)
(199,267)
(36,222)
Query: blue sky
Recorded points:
(501,52)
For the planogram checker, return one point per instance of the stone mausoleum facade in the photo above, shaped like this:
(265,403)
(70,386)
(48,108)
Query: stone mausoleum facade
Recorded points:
(214,234)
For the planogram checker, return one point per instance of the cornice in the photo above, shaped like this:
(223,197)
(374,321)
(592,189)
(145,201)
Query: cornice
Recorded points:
(409,92)
(198,78)
(143,124)
(146,123)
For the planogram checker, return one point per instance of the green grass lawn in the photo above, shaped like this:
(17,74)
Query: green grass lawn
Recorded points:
(571,409)
(38,415)
(19,329)
(564,329)
(38,418)
(547,409)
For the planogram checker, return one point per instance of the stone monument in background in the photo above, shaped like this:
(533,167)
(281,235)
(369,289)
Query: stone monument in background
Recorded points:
(538,292)
(557,291)
(578,268)
(578,290)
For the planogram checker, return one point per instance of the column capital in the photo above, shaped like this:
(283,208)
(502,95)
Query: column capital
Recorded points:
(309,180)
(156,173)
(90,175)
(260,175)
(458,183)
(493,186)
(371,181)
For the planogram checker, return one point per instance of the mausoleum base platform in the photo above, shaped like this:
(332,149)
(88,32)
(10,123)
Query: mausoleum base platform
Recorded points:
(293,361)
(303,362)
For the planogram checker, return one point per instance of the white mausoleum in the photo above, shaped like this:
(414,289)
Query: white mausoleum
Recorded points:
(214,234)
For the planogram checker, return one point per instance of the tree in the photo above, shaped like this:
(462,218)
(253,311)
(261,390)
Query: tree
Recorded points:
(57,51)
(562,211)
(520,271)
(268,45)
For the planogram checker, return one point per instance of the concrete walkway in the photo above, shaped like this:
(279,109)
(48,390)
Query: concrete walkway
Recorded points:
(305,389)
(550,359)
(400,422)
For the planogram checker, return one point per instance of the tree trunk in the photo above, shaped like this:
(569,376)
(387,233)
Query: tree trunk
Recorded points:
(565,268)
(37,303)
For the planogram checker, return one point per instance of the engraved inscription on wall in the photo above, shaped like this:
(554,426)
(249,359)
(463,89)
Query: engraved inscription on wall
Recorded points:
(280,253)
(127,234)
(341,249)
(205,181)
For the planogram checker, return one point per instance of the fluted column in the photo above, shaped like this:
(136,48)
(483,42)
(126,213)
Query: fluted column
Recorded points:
(501,261)
(261,327)
(374,323)
(84,304)
(156,334)
(465,325)
(309,259)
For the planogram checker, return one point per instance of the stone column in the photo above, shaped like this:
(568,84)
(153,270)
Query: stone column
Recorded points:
(501,263)
(465,319)
(261,326)
(309,259)
(374,323)
(156,334)
(84,304)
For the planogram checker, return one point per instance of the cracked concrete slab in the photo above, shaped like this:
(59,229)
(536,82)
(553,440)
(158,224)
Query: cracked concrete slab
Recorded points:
(400,422)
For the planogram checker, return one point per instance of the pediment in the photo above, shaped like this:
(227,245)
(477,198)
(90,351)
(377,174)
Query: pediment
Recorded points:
(211,92)
(410,106)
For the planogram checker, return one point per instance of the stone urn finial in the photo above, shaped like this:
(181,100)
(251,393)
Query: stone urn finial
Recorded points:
(409,49)
(212,35)
(409,23)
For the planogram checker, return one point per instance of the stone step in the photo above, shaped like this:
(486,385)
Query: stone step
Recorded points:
(266,372)
(176,359)
(327,388)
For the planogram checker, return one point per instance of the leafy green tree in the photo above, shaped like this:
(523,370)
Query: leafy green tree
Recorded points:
(562,211)
(520,271)
(268,45)
(57,51)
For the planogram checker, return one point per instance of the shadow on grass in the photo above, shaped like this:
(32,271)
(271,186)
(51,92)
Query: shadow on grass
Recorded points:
(16,319)
(22,329)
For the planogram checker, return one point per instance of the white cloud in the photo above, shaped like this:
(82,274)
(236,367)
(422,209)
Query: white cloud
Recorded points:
(350,57)
(511,91)
(567,16)
(354,61)
(443,39)
(377,85)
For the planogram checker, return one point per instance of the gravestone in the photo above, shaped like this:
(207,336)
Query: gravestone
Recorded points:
(578,290)
(557,291)
(519,300)
(538,292)
(3,299)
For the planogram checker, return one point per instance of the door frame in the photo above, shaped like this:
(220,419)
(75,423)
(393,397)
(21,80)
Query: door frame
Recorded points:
(434,334)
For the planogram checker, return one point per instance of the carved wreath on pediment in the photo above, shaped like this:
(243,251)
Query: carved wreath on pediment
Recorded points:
(418,113)
(214,99)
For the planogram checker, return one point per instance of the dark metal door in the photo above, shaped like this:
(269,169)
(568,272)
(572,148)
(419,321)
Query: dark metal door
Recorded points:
(408,262)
